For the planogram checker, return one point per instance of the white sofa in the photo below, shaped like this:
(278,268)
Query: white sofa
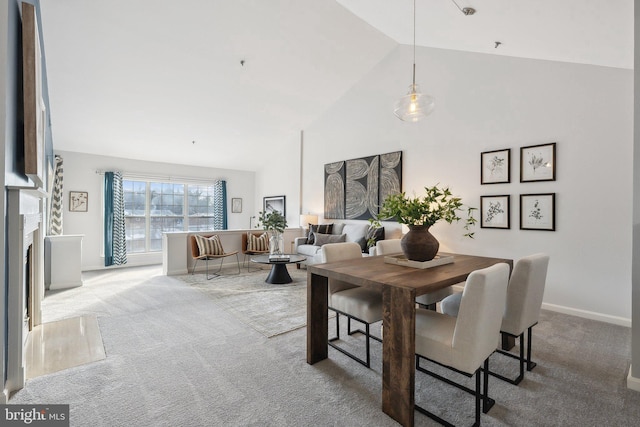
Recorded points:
(352,233)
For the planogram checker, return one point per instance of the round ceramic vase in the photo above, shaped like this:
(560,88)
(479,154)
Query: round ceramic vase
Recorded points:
(419,244)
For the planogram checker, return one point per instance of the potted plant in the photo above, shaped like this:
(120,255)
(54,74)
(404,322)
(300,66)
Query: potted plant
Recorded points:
(273,223)
(419,214)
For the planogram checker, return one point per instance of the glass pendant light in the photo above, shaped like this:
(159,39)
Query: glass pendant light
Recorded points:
(414,105)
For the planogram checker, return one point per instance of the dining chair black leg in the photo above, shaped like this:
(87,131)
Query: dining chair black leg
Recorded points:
(481,397)
(521,376)
(366,328)
(521,362)
(487,402)
(478,396)
(530,364)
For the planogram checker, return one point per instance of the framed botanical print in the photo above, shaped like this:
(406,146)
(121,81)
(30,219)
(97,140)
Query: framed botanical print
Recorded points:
(538,211)
(78,201)
(538,163)
(495,211)
(495,166)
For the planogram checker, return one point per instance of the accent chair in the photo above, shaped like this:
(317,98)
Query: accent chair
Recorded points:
(208,247)
(254,244)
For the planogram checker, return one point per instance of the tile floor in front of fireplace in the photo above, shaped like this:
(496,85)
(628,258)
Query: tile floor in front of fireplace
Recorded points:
(63,344)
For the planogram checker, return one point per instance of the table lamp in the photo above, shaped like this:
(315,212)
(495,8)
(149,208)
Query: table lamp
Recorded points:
(307,219)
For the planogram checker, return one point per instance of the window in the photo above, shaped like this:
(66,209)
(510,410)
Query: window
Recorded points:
(201,207)
(166,211)
(152,208)
(135,222)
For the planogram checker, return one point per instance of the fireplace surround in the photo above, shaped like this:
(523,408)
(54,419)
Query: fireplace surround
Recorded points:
(25,243)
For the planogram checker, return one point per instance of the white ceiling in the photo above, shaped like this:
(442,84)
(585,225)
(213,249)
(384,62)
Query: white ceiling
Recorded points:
(598,32)
(144,79)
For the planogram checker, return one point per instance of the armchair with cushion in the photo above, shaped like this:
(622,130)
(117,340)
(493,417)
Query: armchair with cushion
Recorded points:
(208,247)
(254,244)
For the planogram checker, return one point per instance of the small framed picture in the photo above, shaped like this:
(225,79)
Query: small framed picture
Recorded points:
(236,205)
(495,166)
(78,201)
(495,211)
(538,211)
(538,163)
(275,203)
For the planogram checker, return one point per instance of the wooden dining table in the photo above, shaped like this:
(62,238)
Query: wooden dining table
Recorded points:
(399,285)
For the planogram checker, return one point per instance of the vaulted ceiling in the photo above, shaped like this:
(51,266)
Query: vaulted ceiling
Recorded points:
(226,83)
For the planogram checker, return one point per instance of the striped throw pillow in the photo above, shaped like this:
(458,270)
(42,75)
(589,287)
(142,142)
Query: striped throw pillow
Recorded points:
(210,245)
(258,243)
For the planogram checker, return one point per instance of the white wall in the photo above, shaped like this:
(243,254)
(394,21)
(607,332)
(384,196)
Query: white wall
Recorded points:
(80,175)
(486,102)
(283,172)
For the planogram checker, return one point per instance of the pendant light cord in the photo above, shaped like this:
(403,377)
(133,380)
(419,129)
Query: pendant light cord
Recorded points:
(457,5)
(414,45)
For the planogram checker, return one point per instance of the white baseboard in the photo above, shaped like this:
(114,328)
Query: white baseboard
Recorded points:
(4,397)
(65,285)
(632,382)
(616,320)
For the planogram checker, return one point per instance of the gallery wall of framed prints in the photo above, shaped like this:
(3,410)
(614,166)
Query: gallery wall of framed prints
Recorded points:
(537,210)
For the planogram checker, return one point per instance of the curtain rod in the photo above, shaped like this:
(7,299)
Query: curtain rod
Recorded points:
(163,178)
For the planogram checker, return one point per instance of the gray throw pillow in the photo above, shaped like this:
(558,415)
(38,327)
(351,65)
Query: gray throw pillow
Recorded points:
(317,228)
(323,239)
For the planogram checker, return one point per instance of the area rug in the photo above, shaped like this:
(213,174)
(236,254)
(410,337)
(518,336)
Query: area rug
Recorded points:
(269,309)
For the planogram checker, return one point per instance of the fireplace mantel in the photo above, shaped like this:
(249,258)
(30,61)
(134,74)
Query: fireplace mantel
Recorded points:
(25,268)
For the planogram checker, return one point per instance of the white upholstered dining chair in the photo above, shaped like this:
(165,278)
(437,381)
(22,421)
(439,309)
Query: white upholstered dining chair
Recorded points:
(392,246)
(524,299)
(464,343)
(361,304)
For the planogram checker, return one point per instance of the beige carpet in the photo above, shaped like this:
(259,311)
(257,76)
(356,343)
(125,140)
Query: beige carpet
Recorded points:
(175,358)
(269,309)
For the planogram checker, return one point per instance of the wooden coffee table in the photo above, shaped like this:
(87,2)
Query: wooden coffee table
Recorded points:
(279,275)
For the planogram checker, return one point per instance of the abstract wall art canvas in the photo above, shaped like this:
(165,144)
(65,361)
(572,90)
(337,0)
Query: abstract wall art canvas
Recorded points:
(355,189)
